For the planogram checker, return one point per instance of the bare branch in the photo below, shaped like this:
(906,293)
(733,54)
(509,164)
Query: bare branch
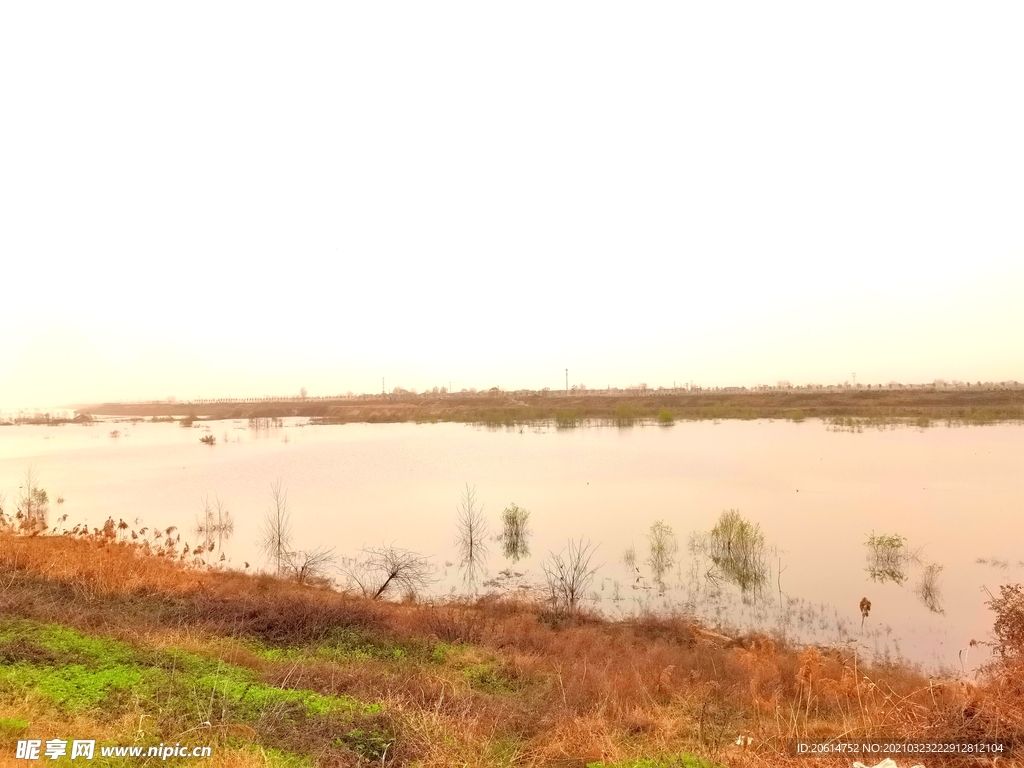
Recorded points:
(382,572)
(310,566)
(569,575)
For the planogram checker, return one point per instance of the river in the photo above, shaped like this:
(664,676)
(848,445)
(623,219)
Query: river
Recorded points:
(817,494)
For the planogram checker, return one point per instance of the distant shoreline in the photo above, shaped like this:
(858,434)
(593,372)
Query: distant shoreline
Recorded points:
(497,408)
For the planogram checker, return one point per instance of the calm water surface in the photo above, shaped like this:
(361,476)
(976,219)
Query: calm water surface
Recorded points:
(956,493)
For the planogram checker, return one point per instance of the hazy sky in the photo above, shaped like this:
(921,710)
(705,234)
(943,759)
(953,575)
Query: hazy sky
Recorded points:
(212,198)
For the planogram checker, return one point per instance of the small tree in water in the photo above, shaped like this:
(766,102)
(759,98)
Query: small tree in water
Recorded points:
(515,533)
(663,548)
(471,530)
(276,532)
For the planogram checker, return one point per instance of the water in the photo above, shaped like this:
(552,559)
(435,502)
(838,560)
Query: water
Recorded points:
(817,495)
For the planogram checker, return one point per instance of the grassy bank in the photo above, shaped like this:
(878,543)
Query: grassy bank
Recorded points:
(99,640)
(919,407)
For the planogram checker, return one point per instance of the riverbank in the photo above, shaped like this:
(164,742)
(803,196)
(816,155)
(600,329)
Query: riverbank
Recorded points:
(101,640)
(918,406)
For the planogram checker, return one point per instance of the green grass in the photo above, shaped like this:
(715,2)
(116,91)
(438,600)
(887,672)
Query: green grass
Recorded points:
(67,672)
(344,646)
(12,727)
(79,672)
(487,678)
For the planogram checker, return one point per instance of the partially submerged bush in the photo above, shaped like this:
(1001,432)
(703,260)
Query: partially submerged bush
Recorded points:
(515,533)
(1009,623)
(889,557)
(737,549)
(663,548)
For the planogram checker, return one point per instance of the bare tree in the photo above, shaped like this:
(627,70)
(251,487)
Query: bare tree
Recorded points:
(569,575)
(471,531)
(389,569)
(276,531)
(515,533)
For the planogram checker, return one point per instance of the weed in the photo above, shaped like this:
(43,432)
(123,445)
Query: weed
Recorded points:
(370,745)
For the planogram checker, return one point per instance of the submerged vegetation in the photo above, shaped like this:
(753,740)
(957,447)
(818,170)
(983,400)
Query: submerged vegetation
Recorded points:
(515,533)
(928,590)
(133,639)
(662,553)
(126,645)
(889,558)
(737,549)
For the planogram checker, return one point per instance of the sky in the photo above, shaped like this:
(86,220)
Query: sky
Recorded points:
(209,199)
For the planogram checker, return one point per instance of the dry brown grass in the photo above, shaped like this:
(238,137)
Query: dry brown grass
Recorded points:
(566,690)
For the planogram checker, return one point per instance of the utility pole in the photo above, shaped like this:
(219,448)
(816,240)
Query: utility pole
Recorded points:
(566,379)
(382,390)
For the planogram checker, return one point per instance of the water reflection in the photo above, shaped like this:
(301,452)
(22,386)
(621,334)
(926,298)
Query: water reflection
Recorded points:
(396,483)
(928,588)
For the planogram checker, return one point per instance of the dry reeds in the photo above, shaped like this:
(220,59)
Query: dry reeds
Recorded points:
(498,679)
